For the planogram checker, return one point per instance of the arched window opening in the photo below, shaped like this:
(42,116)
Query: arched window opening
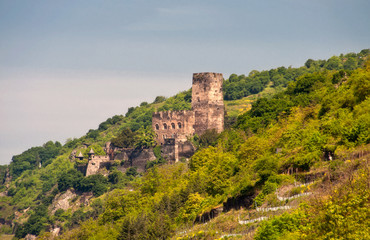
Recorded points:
(157,127)
(173,125)
(179,125)
(164,126)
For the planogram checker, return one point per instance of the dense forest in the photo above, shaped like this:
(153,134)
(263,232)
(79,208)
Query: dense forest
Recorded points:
(307,140)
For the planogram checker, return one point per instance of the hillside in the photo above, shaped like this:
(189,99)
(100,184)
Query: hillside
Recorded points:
(297,141)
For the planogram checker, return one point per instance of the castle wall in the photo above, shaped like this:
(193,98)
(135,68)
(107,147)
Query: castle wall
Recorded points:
(138,158)
(173,124)
(207,113)
(169,150)
(185,149)
(94,164)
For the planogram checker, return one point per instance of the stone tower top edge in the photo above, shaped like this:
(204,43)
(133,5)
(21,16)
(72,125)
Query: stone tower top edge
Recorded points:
(207,77)
(207,74)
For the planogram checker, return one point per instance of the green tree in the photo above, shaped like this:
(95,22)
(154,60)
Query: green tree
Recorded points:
(350,63)
(159,99)
(126,139)
(92,134)
(69,179)
(334,63)
(208,138)
(145,138)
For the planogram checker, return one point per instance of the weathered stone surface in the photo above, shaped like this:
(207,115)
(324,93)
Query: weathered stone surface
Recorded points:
(185,149)
(30,237)
(73,155)
(169,150)
(62,201)
(94,164)
(207,102)
(207,112)
(7,178)
(55,231)
(173,124)
(139,158)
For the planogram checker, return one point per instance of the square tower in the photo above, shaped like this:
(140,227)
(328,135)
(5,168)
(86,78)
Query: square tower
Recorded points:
(207,102)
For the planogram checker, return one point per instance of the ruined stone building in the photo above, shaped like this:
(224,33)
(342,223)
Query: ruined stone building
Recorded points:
(94,163)
(132,157)
(173,128)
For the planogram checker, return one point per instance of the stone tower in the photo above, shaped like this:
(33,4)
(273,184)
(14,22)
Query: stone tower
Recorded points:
(207,102)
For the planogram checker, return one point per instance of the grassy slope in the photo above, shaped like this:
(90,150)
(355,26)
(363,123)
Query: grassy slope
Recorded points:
(236,107)
(348,167)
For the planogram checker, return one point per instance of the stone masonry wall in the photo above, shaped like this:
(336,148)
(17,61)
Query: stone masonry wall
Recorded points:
(207,102)
(94,164)
(173,124)
(207,111)
(173,128)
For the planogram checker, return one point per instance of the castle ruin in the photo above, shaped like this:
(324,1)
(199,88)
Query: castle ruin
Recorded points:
(173,128)
(94,162)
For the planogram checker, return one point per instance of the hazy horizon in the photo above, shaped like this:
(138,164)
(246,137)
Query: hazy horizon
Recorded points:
(65,67)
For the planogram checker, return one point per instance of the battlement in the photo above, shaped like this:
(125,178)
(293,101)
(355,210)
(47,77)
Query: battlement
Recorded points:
(206,77)
(171,114)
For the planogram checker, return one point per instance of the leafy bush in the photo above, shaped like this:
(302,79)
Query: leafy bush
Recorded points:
(31,158)
(126,139)
(97,183)
(37,222)
(208,138)
(69,179)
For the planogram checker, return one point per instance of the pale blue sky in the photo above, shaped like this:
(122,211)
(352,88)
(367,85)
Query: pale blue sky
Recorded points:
(66,66)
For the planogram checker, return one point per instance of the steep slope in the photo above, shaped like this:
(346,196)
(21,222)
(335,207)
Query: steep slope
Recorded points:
(322,115)
(295,132)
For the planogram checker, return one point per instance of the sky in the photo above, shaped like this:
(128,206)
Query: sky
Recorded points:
(67,66)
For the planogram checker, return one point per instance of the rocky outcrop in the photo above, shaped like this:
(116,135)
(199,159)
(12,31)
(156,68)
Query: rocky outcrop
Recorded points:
(138,158)
(55,231)
(72,156)
(30,237)
(7,178)
(62,201)
(207,216)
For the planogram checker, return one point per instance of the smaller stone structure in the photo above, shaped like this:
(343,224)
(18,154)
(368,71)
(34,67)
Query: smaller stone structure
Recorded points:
(80,156)
(94,163)
(132,158)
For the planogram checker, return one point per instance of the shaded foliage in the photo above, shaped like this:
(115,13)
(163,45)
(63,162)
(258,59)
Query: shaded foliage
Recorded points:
(31,158)
(126,139)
